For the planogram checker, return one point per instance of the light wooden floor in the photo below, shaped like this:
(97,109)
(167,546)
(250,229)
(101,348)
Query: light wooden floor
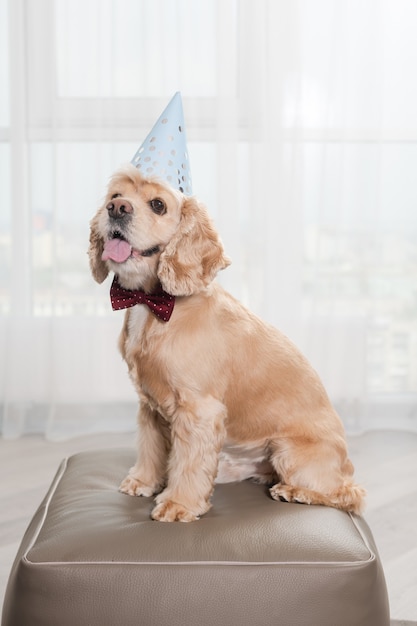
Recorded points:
(386,463)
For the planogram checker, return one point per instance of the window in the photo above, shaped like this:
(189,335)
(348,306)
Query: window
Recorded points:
(302,139)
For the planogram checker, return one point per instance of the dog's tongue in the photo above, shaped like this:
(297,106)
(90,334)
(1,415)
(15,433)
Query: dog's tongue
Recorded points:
(117,250)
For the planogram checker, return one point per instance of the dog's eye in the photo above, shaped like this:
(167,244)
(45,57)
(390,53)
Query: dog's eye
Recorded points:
(116,195)
(158,206)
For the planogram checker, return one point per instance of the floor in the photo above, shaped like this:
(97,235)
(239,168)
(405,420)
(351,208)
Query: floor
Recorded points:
(386,463)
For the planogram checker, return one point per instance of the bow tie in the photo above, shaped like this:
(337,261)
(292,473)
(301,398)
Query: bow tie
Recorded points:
(160,303)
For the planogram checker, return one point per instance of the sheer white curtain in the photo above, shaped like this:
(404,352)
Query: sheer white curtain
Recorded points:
(302,129)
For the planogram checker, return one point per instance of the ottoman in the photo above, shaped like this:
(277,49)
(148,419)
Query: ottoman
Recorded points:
(92,556)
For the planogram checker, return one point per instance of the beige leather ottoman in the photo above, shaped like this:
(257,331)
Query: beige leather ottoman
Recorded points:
(92,556)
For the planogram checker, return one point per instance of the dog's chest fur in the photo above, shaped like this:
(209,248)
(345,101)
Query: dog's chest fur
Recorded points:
(138,316)
(141,331)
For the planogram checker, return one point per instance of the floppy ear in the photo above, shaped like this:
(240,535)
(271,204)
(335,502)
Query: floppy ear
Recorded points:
(194,255)
(98,267)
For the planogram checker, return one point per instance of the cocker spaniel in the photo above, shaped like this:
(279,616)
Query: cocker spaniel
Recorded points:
(223,396)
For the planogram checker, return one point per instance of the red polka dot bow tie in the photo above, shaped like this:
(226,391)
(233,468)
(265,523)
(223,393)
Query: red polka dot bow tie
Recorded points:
(160,303)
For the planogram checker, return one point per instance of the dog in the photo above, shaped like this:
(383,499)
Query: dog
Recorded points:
(223,396)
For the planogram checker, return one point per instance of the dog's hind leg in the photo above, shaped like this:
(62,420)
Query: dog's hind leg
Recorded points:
(315,473)
(347,497)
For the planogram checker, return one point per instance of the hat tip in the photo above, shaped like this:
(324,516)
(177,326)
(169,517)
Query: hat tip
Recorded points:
(164,152)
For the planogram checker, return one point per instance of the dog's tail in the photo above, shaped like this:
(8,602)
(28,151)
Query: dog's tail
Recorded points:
(349,497)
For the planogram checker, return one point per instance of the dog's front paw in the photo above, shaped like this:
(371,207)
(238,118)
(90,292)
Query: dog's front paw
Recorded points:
(134,487)
(170,511)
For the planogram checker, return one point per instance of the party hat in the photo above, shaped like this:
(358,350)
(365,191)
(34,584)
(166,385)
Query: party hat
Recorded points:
(164,151)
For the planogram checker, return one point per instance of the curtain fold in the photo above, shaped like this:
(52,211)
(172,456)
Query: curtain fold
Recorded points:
(302,138)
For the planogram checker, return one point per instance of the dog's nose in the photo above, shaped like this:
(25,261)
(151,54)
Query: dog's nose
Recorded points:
(118,208)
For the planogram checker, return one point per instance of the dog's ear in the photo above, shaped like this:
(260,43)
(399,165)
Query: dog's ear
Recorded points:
(194,255)
(95,251)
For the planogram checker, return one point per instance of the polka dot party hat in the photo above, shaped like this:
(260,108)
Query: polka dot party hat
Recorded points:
(164,151)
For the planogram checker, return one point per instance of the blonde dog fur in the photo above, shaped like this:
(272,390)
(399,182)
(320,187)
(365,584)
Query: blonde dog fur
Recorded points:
(223,396)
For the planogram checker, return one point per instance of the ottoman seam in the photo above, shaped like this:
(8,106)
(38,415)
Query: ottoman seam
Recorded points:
(307,564)
(46,504)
